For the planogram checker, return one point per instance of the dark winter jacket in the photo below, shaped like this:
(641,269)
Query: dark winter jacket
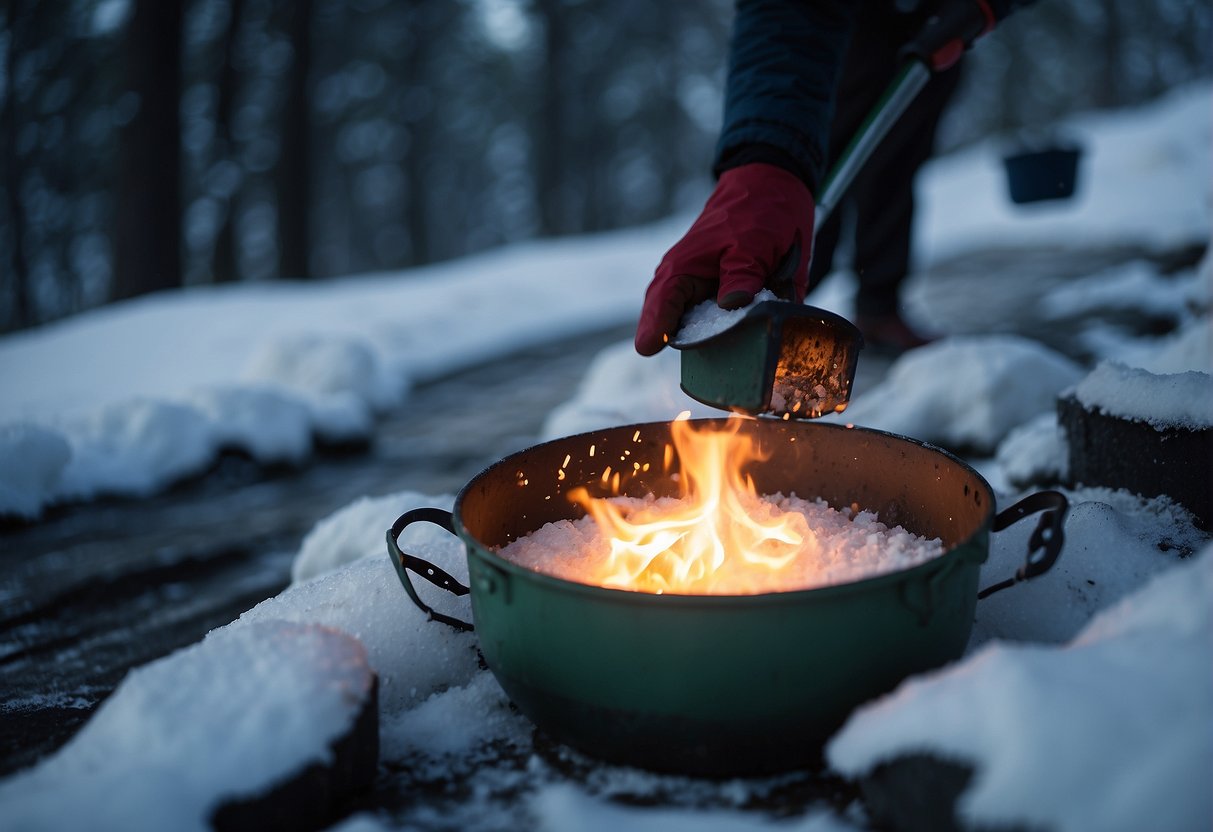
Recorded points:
(784,61)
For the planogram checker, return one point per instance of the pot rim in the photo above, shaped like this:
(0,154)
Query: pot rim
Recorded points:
(795,596)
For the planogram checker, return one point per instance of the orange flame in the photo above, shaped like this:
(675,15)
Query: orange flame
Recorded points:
(712,534)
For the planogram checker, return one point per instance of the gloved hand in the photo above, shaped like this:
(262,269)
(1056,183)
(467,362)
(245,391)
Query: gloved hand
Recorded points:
(953,29)
(756,231)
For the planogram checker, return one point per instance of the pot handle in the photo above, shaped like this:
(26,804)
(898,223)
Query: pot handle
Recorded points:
(403,562)
(1045,544)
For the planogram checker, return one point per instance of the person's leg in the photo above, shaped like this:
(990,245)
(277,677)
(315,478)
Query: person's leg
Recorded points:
(883,195)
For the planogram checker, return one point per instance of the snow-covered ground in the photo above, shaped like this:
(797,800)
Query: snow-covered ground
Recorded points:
(1085,700)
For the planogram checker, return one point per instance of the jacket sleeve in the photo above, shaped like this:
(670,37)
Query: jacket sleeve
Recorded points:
(785,57)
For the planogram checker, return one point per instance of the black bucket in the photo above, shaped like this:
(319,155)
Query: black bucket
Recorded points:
(1039,175)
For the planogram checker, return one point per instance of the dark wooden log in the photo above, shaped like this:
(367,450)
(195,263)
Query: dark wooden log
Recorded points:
(313,797)
(1109,451)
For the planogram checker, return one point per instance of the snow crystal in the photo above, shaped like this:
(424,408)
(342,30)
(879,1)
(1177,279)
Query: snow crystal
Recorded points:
(31,462)
(1109,732)
(225,719)
(838,546)
(965,391)
(1179,400)
(706,319)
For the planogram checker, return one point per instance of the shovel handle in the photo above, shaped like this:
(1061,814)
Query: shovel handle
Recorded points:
(906,85)
(404,563)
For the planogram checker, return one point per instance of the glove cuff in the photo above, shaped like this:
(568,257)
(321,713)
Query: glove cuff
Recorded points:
(767,154)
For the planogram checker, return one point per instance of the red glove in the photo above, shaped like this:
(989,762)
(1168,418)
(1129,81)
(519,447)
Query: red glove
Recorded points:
(756,231)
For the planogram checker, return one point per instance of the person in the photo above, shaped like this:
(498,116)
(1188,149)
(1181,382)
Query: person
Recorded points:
(802,77)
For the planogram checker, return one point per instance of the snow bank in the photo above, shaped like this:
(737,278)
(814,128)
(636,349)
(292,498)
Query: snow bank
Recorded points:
(1144,179)
(1178,400)
(145,392)
(1110,732)
(965,391)
(224,719)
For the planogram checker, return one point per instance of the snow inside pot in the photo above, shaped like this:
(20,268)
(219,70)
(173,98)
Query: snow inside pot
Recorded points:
(635,651)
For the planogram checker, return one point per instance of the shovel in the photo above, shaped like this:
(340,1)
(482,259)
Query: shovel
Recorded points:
(781,357)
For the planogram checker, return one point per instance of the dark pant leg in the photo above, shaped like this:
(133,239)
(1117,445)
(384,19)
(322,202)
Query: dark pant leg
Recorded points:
(884,198)
(882,194)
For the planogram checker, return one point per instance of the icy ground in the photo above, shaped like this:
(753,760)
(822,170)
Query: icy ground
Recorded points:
(1085,700)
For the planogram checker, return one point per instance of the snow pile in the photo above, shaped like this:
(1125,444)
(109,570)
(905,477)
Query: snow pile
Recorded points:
(357,530)
(1115,541)
(965,392)
(1111,731)
(136,448)
(32,460)
(225,719)
(413,656)
(1178,400)
(835,547)
(1035,452)
(1135,288)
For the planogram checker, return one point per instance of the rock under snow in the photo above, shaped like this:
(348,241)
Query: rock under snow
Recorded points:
(221,722)
(1110,732)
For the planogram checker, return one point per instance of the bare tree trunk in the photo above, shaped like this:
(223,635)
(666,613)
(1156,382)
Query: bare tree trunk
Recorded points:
(18,267)
(294,164)
(148,235)
(223,259)
(549,143)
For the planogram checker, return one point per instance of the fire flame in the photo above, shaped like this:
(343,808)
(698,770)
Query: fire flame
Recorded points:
(711,533)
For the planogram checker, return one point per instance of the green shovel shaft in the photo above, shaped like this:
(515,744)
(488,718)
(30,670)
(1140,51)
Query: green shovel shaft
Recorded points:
(909,81)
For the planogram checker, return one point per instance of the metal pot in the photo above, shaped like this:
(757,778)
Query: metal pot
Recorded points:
(721,685)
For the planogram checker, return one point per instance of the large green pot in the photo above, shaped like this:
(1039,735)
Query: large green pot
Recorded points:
(721,684)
